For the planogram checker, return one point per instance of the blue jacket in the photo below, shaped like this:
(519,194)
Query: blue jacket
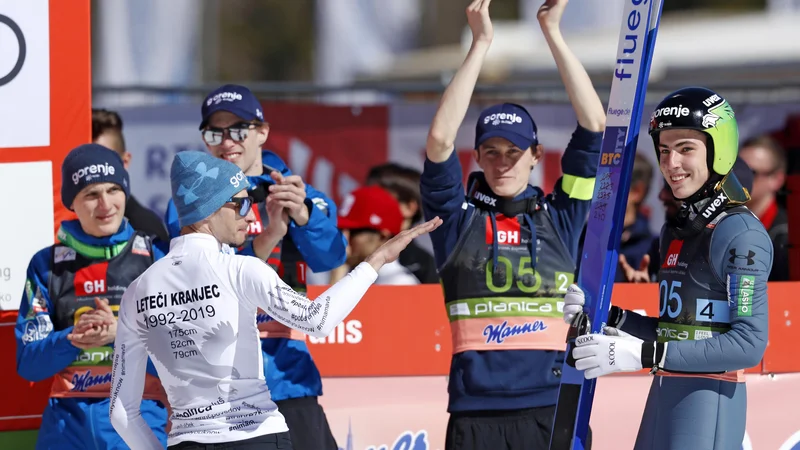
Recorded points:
(443,195)
(288,367)
(45,352)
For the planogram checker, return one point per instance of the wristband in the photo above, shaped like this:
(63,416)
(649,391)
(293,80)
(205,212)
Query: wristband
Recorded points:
(652,354)
(615,316)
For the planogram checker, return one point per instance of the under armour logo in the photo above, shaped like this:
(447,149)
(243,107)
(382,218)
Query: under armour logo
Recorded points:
(188,194)
(748,257)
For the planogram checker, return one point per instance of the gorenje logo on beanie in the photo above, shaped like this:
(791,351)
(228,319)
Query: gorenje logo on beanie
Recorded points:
(237,179)
(94,169)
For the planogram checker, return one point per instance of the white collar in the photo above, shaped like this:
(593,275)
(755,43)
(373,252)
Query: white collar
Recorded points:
(198,241)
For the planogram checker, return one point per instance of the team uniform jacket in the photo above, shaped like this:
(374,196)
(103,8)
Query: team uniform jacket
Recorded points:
(507,370)
(62,282)
(713,323)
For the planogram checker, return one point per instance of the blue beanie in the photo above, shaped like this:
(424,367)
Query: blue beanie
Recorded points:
(91,164)
(202,184)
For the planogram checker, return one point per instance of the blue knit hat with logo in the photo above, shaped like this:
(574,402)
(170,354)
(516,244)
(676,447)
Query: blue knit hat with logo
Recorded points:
(91,164)
(202,184)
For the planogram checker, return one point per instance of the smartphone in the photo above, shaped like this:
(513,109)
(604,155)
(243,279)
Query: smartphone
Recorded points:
(270,169)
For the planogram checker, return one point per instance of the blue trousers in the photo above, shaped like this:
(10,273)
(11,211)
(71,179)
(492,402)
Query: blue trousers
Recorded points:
(83,424)
(693,413)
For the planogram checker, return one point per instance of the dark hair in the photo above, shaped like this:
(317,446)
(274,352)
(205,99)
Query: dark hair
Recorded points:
(400,181)
(773,147)
(642,172)
(105,121)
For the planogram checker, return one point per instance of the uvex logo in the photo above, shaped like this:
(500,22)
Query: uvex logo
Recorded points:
(487,199)
(508,231)
(672,254)
(91,280)
(713,205)
(711,100)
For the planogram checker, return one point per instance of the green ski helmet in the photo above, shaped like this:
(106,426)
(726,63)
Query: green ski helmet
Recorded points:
(701,109)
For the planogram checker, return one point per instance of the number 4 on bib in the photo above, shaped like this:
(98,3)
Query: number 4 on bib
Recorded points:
(708,311)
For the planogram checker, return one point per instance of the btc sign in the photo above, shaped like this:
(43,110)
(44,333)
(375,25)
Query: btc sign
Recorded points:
(610,159)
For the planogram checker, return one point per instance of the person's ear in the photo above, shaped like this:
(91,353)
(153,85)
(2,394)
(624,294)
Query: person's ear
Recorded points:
(263,133)
(409,208)
(537,153)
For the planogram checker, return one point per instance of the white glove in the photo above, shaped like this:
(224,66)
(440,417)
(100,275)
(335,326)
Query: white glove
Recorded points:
(573,302)
(598,354)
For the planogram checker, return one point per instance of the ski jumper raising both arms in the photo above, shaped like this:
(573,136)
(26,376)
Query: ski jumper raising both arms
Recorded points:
(507,243)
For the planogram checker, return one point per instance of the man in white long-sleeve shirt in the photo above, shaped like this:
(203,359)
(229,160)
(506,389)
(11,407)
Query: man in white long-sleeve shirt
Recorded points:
(194,314)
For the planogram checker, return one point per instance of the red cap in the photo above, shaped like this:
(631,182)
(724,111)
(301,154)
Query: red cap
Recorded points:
(371,207)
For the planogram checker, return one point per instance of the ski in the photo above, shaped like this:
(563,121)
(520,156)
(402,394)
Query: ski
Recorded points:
(599,258)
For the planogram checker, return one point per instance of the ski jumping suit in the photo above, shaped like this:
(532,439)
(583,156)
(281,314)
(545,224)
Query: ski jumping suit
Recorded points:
(504,276)
(293,378)
(62,283)
(713,319)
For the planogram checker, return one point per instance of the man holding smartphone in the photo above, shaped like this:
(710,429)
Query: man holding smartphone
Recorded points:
(234,129)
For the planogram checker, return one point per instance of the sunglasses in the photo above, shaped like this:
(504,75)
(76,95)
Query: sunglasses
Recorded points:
(237,132)
(243,204)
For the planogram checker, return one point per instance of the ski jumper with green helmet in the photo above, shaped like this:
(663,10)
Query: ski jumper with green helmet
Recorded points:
(505,265)
(716,257)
